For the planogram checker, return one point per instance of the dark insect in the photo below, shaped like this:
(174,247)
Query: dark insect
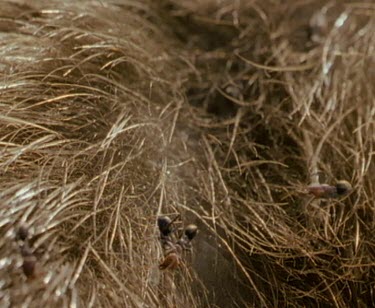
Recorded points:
(324,191)
(173,248)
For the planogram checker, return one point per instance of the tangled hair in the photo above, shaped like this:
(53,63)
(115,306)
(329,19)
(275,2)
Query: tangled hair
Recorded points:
(88,107)
(113,113)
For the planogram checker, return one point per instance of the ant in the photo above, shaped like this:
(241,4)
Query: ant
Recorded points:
(173,249)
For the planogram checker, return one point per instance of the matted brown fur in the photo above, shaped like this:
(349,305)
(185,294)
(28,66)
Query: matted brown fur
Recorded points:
(113,112)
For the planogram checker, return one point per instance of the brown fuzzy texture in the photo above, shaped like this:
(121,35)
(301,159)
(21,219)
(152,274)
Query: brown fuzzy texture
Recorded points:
(112,114)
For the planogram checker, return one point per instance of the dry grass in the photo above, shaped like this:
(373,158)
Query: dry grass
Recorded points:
(222,111)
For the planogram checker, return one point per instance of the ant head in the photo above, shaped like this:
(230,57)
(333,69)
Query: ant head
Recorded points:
(343,187)
(164,224)
(22,233)
(191,231)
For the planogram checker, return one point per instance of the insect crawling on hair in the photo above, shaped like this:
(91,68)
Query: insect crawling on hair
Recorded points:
(325,191)
(173,245)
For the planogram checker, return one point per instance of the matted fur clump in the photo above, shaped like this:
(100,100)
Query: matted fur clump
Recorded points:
(113,113)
